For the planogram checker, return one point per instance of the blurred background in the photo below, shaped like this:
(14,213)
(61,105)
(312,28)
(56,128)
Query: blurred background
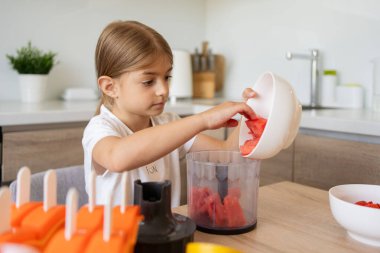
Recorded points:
(253,36)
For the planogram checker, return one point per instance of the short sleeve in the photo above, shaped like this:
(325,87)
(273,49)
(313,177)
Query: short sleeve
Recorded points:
(96,130)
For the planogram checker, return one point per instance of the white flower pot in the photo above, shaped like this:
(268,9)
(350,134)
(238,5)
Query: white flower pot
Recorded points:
(32,87)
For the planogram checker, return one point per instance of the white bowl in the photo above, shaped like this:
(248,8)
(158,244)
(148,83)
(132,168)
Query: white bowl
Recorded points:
(362,223)
(275,101)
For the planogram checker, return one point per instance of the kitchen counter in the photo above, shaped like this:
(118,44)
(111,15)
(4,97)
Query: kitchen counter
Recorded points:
(345,121)
(57,111)
(291,218)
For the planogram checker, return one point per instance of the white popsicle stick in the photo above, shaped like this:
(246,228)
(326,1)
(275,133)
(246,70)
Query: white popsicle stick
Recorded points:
(107,222)
(92,192)
(5,209)
(71,213)
(50,189)
(124,192)
(17,248)
(23,186)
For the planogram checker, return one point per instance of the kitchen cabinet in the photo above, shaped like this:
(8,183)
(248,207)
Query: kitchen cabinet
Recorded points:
(324,162)
(313,159)
(40,147)
(278,168)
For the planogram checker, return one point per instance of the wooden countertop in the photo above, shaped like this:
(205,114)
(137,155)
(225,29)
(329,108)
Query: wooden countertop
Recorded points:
(291,218)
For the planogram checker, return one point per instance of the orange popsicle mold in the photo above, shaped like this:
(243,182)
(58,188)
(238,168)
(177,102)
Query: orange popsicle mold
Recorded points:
(90,221)
(18,214)
(116,244)
(44,224)
(18,235)
(77,243)
(127,222)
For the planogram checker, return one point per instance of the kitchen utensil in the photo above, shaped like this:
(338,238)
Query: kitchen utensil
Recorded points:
(181,84)
(222,191)
(362,223)
(161,231)
(327,88)
(349,96)
(376,85)
(277,102)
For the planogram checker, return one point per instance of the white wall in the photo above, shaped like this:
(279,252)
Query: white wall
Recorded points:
(254,35)
(71,28)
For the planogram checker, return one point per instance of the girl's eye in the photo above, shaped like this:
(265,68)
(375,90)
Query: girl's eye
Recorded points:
(167,78)
(148,82)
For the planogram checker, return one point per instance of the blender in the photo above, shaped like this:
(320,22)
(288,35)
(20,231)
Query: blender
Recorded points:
(222,191)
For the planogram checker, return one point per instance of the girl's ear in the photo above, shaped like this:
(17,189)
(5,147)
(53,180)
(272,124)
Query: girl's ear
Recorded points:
(107,86)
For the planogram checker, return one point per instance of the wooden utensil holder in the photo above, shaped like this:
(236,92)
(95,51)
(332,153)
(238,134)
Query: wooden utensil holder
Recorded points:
(204,84)
(207,83)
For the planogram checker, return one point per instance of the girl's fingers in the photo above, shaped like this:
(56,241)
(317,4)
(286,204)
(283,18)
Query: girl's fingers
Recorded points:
(248,112)
(232,123)
(248,93)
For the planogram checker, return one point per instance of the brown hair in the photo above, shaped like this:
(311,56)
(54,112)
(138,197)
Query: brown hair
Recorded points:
(126,46)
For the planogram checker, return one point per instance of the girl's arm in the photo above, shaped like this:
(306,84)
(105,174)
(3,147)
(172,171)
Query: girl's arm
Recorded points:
(145,146)
(205,142)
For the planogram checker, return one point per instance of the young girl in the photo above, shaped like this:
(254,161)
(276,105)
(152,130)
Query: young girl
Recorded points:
(130,131)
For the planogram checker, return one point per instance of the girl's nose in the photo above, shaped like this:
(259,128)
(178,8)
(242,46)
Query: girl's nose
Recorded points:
(162,88)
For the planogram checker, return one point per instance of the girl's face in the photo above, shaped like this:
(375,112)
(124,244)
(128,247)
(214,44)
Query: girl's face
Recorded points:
(144,92)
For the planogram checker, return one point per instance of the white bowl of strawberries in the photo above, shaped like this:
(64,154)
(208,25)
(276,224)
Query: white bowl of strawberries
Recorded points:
(278,117)
(356,207)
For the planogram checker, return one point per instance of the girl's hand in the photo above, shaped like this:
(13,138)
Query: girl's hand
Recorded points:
(221,115)
(248,93)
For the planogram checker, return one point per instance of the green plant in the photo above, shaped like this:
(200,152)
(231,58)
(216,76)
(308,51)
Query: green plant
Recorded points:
(31,60)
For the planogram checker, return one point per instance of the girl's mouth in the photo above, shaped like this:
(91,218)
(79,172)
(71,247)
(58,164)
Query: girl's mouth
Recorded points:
(159,105)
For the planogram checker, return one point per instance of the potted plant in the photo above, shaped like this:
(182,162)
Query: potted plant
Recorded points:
(33,66)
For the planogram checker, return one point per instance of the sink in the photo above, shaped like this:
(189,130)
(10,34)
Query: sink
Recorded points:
(309,107)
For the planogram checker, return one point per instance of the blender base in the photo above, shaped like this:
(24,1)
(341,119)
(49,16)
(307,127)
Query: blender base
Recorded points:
(224,231)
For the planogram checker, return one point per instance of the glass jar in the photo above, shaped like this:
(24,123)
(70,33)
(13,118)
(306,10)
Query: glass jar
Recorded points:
(222,191)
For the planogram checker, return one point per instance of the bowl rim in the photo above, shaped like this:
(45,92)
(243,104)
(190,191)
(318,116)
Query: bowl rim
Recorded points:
(274,79)
(258,82)
(333,196)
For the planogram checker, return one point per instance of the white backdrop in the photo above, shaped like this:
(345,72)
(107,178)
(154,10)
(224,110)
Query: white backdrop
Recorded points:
(71,28)
(255,35)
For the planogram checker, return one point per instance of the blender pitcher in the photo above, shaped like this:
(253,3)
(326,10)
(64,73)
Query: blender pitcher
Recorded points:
(222,191)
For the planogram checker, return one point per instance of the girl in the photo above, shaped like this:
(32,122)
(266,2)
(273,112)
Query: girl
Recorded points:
(130,132)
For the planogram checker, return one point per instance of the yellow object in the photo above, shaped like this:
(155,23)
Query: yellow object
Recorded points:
(200,247)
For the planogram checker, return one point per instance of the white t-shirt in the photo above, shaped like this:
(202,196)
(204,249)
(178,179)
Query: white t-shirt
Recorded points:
(166,168)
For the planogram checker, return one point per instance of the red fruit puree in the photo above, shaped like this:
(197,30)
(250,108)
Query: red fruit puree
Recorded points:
(208,209)
(256,127)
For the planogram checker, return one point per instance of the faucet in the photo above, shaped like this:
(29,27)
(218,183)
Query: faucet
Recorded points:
(314,82)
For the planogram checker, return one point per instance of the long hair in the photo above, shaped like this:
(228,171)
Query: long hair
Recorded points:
(127,46)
